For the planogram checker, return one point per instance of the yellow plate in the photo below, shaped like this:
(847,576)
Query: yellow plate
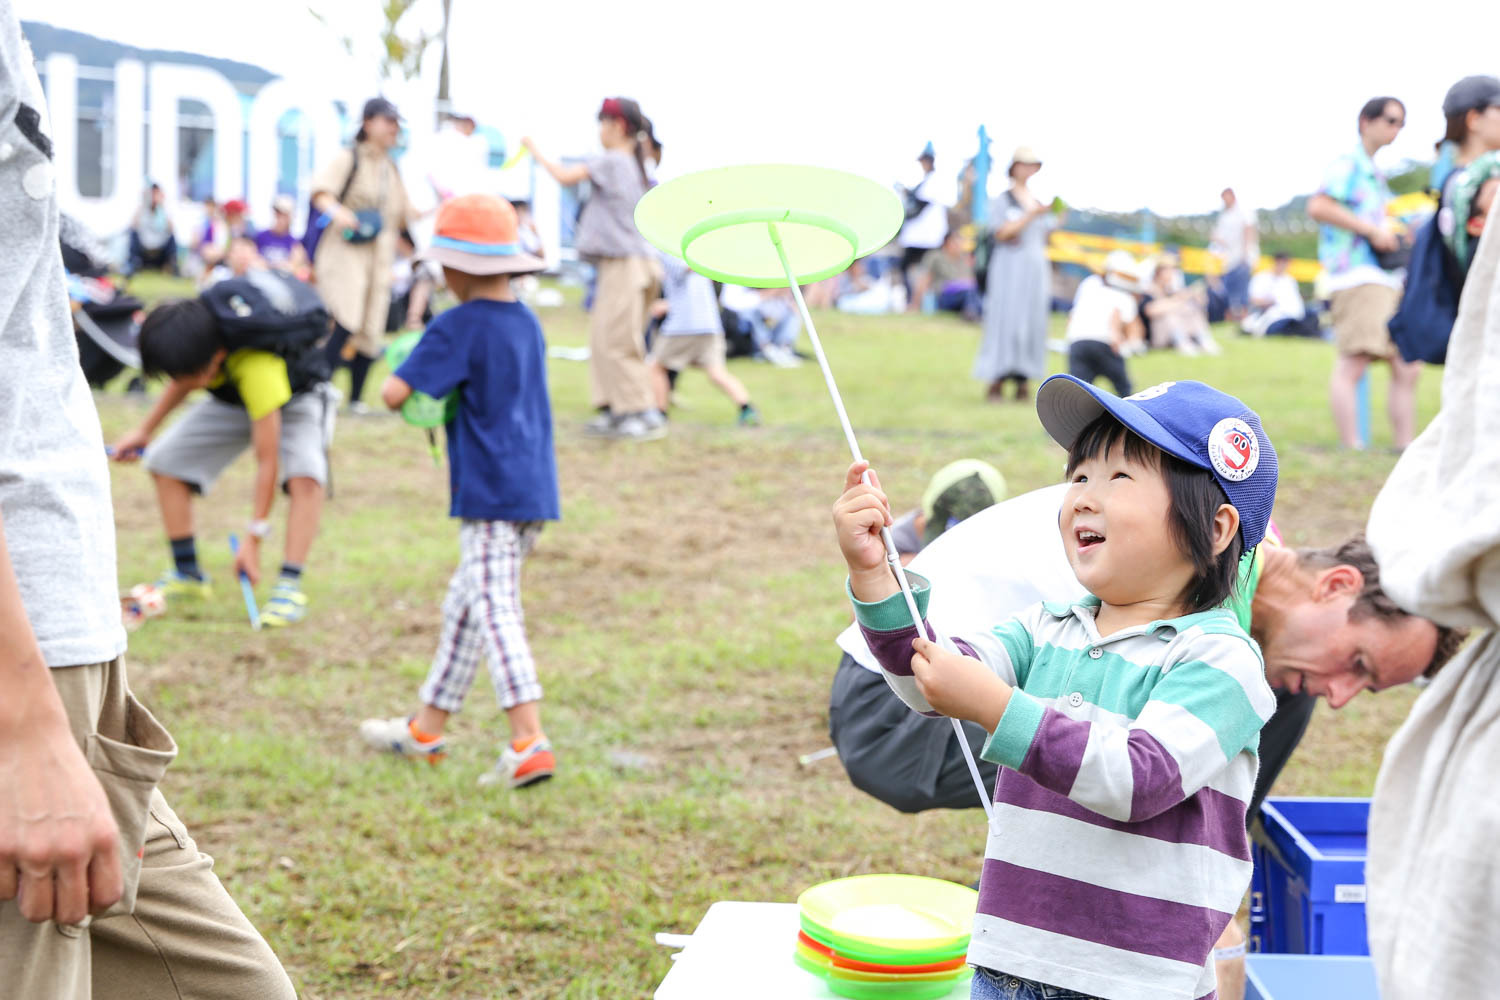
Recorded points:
(899,913)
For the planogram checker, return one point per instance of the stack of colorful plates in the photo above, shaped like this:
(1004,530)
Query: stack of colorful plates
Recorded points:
(886,937)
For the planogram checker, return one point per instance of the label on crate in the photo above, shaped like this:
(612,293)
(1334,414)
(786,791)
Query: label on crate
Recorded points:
(1349,893)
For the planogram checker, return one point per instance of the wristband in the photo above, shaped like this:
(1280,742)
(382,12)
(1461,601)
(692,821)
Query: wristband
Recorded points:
(1233,951)
(258,528)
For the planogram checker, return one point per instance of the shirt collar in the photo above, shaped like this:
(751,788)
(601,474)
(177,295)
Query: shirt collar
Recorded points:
(1086,610)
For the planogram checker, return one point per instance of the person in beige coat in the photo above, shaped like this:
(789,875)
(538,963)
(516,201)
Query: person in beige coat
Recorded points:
(361,192)
(1433,871)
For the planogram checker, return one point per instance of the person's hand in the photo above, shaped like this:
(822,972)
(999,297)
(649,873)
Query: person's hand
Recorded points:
(131,446)
(59,845)
(247,559)
(858,516)
(341,218)
(958,686)
(659,309)
(1384,240)
(528,144)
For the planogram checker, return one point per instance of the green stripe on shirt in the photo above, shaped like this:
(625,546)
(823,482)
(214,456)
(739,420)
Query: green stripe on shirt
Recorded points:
(1223,706)
(891,613)
(1012,738)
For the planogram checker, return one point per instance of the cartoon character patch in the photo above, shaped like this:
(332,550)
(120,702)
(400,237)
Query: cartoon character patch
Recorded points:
(1233,449)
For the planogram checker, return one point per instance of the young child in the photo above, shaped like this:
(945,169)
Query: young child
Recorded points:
(1126,725)
(268,391)
(503,478)
(692,335)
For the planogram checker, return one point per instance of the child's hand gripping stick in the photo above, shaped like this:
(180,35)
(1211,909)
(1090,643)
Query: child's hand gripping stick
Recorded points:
(247,589)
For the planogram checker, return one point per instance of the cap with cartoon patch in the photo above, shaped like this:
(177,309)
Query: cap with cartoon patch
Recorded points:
(1188,420)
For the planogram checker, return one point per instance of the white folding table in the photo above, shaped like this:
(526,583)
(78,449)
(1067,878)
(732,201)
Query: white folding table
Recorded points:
(743,951)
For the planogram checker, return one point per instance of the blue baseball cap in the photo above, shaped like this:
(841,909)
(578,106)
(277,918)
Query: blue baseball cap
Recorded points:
(1188,420)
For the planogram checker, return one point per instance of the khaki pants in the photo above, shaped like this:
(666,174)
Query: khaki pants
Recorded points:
(175,934)
(618,377)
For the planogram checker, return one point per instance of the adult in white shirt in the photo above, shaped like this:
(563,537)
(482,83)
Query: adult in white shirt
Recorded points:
(1104,319)
(1235,242)
(924,230)
(460,158)
(1276,303)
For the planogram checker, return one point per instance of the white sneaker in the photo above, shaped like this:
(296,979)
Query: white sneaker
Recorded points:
(781,357)
(394,736)
(636,427)
(602,425)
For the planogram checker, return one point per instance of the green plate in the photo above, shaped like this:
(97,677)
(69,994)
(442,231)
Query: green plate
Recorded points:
(718,221)
(925,990)
(420,409)
(882,956)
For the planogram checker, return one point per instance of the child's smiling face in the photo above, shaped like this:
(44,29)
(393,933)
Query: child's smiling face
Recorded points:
(1115,530)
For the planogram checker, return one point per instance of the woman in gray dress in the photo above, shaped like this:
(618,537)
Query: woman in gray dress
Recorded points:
(1018,287)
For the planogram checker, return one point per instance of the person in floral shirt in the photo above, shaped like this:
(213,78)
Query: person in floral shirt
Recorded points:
(1364,286)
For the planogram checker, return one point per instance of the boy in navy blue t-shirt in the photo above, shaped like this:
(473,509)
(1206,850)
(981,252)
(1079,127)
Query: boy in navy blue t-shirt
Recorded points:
(503,477)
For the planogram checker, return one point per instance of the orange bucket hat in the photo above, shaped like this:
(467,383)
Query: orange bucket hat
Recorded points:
(476,234)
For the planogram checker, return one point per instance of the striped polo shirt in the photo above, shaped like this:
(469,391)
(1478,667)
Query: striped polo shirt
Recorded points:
(1117,853)
(692,306)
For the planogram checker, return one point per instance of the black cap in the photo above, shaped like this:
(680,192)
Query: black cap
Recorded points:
(1471,93)
(379,107)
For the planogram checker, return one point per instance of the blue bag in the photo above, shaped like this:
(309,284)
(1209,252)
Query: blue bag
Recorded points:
(1424,320)
(317,221)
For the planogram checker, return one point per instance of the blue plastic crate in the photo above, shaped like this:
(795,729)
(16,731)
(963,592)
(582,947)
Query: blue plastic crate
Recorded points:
(1310,977)
(1307,895)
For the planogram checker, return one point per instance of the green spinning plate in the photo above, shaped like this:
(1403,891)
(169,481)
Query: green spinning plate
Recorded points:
(717,221)
(420,409)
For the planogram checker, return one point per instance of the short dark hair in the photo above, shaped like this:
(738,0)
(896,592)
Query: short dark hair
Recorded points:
(1373,602)
(1375,107)
(1195,498)
(179,338)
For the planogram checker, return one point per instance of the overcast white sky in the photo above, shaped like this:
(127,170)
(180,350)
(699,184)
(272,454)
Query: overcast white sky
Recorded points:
(1130,104)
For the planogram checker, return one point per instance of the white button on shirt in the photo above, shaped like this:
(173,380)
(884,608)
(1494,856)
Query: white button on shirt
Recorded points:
(1075,700)
(1095,653)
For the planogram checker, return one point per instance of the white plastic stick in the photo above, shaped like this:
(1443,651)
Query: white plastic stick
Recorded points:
(892,557)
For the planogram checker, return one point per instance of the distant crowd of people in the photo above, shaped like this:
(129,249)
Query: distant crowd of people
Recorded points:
(371,277)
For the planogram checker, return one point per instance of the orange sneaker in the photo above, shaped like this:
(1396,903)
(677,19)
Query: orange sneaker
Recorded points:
(519,768)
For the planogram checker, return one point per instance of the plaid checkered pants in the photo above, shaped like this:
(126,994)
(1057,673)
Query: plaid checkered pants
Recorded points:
(482,614)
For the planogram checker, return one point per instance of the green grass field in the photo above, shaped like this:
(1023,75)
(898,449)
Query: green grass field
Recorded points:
(683,611)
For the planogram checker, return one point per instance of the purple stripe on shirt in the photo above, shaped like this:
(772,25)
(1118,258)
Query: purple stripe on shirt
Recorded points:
(1156,783)
(1124,920)
(1208,819)
(1056,753)
(893,649)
